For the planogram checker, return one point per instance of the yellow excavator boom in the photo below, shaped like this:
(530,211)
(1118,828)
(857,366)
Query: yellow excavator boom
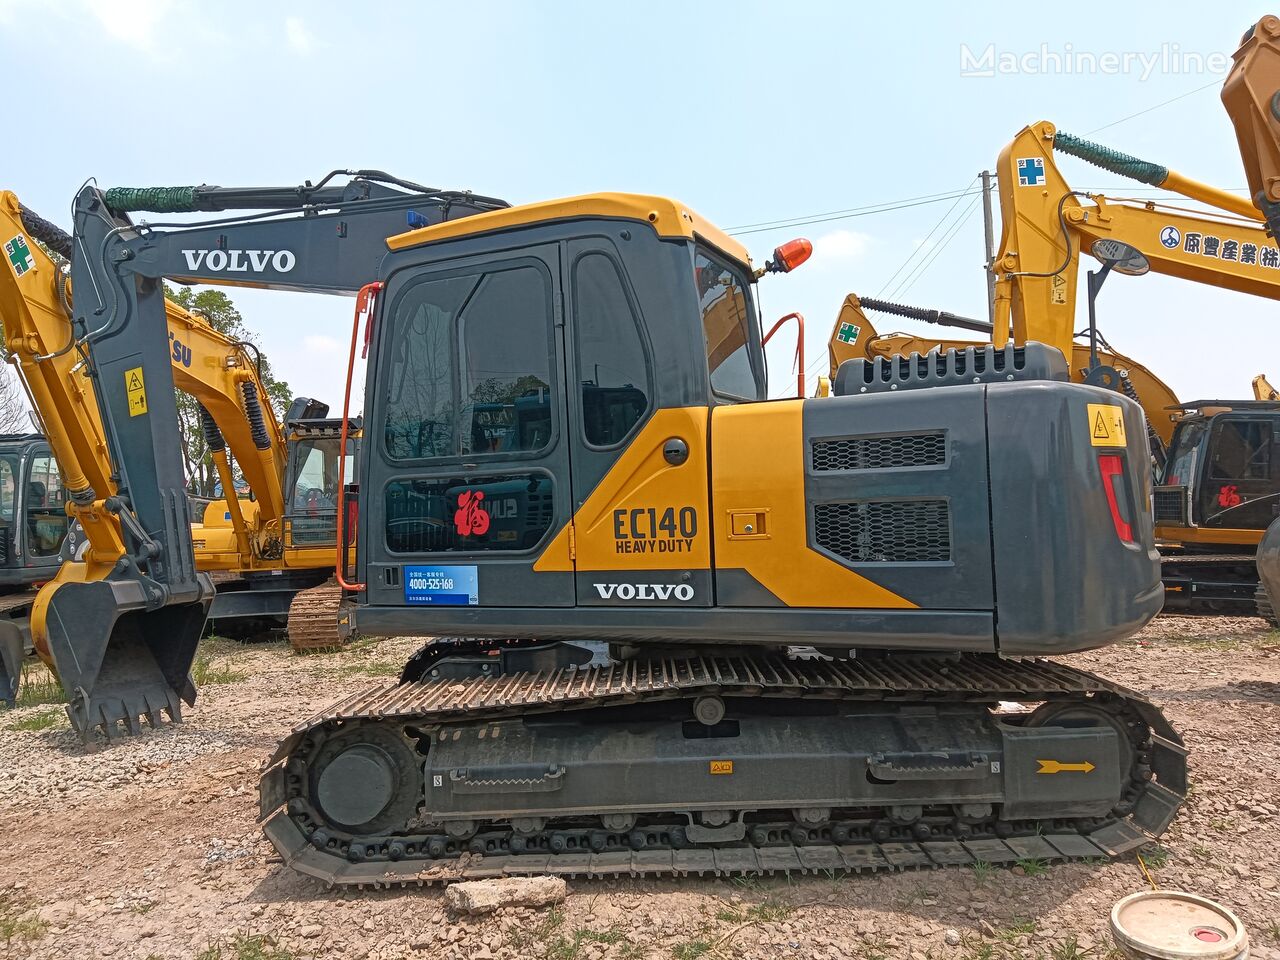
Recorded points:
(1046,225)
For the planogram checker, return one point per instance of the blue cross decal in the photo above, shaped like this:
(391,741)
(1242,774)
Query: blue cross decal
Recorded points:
(1030,171)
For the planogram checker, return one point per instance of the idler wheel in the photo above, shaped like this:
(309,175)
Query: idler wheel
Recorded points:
(366,780)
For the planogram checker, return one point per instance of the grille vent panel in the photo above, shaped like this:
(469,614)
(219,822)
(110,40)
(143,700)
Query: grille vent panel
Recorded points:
(885,531)
(876,453)
(1170,504)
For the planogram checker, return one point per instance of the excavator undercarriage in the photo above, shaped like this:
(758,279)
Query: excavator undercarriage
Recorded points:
(814,764)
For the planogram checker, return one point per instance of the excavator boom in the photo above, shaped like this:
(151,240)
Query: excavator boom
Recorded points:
(122,625)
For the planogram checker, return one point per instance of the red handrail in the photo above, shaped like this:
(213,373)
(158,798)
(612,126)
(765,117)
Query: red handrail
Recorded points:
(365,301)
(799,319)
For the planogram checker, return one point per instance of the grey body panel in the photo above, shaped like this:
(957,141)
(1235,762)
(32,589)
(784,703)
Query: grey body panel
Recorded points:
(672,626)
(962,582)
(1063,579)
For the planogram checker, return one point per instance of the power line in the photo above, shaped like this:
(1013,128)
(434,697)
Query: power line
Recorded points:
(846,215)
(1163,103)
(925,263)
(919,246)
(786,220)
(924,268)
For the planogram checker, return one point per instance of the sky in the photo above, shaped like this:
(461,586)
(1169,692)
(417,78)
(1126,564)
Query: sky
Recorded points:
(748,112)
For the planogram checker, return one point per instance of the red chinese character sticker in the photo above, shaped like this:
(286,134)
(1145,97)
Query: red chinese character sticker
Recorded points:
(470,518)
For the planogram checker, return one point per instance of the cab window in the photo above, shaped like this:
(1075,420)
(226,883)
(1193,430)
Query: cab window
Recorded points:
(613,368)
(727,328)
(470,369)
(45,507)
(1184,452)
(8,489)
(1241,450)
(313,503)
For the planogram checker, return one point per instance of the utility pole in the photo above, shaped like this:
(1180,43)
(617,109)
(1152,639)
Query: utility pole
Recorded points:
(989,230)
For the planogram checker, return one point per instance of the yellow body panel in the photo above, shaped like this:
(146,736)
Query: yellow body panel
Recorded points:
(669,218)
(757,478)
(757,457)
(1220,537)
(641,479)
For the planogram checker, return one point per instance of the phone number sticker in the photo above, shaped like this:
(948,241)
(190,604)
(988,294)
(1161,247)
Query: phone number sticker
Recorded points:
(447,586)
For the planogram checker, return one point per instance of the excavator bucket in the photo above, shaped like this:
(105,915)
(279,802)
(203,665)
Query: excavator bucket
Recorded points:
(120,662)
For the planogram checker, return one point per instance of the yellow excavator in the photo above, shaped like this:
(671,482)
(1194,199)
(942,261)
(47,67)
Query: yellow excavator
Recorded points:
(274,548)
(1218,486)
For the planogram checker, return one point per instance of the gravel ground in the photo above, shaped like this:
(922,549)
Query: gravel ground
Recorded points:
(149,848)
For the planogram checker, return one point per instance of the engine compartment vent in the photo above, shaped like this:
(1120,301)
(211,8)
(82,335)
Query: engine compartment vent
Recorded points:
(885,531)
(880,453)
(939,368)
(1170,504)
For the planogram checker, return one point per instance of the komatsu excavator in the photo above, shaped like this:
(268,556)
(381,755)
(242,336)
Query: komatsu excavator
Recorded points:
(729,635)
(1217,463)
(275,550)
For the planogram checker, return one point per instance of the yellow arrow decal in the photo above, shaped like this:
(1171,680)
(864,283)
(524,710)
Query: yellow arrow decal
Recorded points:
(1057,766)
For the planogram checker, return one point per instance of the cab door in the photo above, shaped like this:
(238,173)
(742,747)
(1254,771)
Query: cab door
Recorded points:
(467,474)
(641,530)
(1241,473)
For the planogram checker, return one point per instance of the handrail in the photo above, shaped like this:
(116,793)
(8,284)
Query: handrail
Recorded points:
(799,319)
(365,301)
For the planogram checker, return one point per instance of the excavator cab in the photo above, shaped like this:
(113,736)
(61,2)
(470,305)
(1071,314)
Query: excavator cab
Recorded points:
(1219,490)
(33,526)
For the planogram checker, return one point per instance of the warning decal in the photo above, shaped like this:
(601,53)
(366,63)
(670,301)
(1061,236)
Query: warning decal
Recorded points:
(721,767)
(136,387)
(1106,425)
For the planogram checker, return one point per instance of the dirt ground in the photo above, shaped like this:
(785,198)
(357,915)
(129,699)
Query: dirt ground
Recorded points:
(150,849)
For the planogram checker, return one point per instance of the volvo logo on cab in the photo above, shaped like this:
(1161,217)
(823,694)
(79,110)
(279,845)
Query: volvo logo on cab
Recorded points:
(240,261)
(644,591)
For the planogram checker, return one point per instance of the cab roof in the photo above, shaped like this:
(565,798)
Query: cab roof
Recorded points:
(669,218)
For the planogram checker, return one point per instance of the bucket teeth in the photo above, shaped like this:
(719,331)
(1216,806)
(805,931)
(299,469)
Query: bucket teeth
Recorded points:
(116,716)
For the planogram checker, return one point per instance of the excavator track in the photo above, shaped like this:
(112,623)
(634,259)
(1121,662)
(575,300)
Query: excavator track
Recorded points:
(439,710)
(313,618)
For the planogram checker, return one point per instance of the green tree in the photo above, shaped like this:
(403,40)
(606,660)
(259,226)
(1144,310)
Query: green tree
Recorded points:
(221,314)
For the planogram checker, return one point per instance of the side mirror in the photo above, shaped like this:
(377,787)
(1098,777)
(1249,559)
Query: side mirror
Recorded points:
(1120,257)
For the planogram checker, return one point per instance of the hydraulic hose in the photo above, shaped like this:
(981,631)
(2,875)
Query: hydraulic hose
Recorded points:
(1113,161)
(253,411)
(213,438)
(941,317)
(51,235)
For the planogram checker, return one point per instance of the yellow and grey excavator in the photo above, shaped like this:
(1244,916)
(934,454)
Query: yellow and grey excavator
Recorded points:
(1218,477)
(724,635)
(274,548)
